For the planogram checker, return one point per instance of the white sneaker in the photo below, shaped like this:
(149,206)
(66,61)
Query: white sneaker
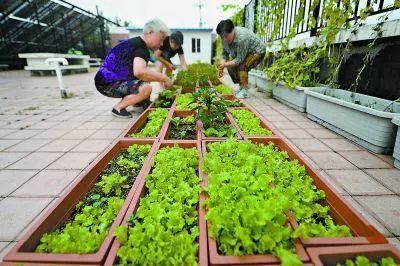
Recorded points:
(242,94)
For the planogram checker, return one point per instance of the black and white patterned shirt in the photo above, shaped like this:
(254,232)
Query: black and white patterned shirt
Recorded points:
(244,43)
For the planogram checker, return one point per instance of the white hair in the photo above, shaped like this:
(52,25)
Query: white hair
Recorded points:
(156,25)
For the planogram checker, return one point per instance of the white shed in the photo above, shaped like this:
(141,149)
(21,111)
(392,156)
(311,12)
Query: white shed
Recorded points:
(197,43)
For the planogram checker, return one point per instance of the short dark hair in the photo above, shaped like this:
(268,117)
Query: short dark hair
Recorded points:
(225,26)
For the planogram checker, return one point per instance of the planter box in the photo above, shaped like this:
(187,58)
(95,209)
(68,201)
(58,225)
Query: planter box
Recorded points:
(23,251)
(292,97)
(396,152)
(333,256)
(141,191)
(228,121)
(182,114)
(141,121)
(261,259)
(340,210)
(253,79)
(368,127)
(263,123)
(264,85)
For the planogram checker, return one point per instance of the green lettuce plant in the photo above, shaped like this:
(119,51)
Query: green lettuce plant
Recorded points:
(155,120)
(249,123)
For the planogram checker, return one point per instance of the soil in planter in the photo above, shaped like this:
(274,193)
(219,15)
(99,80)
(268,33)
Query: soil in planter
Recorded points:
(249,123)
(364,261)
(165,98)
(183,128)
(164,229)
(252,188)
(155,121)
(89,224)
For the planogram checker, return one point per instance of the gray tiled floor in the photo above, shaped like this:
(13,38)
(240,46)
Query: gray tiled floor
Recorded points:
(44,149)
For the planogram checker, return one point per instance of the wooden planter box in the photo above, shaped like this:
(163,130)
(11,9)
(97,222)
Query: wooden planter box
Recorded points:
(340,210)
(141,121)
(57,215)
(141,191)
(183,114)
(331,256)
(370,127)
(263,124)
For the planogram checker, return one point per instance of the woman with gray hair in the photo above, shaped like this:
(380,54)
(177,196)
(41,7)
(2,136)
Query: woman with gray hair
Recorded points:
(124,72)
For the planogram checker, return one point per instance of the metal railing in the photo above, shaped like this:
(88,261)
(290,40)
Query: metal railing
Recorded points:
(255,11)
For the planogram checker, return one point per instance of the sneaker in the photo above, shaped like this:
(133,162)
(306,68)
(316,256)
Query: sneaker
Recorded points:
(123,113)
(246,93)
(239,92)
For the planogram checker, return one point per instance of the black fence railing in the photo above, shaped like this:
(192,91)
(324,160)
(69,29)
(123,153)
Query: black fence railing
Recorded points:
(261,19)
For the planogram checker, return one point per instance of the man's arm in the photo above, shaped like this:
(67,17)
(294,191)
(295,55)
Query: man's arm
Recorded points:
(142,72)
(183,61)
(158,55)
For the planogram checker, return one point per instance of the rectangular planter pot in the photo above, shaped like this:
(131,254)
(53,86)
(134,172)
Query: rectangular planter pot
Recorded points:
(340,210)
(183,114)
(334,255)
(141,121)
(396,152)
(141,191)
(292,97)
(368,127)
(228,121)
(253,79)
(261,259)
(264,85)
(58,214)
(263,123)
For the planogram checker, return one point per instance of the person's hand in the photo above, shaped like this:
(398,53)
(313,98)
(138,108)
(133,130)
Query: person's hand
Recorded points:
(221,70)
(168,83)
(170,67)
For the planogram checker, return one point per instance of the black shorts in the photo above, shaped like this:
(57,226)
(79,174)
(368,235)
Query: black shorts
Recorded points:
(120,89)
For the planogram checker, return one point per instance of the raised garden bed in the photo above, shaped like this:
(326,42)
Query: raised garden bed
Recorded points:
(166,98)
(185,102)
(332,256)
(227,130)
(97,200)
(182,126)
(149,125)
(168,203)
(246,220)
(340,212)
(249,123)
(363,119)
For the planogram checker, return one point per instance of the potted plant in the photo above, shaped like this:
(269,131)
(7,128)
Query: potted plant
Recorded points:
(293,73)
(79,227)
(162,225)
(355,255)
(363,119)
(150,124)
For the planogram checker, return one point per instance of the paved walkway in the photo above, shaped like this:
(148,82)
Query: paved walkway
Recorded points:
(45,142)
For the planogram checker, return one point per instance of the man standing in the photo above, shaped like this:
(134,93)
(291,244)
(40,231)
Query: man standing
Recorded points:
(172,45)
(246,51)
(124,73)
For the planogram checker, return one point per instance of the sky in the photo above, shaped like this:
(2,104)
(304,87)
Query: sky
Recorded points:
(175,13)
